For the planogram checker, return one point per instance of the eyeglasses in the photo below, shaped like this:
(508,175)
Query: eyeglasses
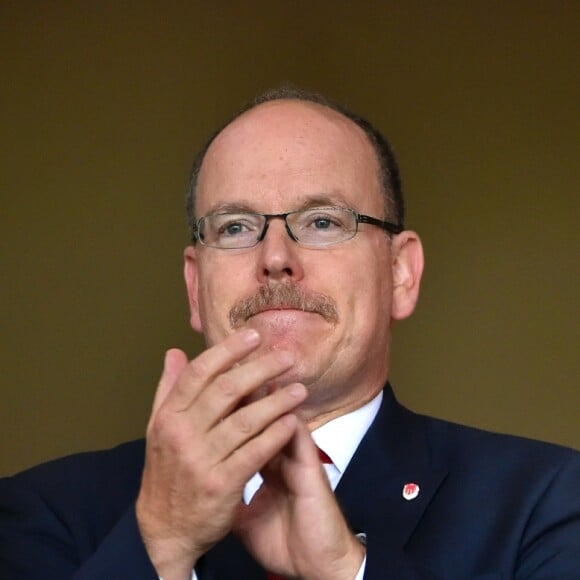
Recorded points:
(315,227)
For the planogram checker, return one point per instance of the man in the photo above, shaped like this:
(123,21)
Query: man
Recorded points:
(298,268)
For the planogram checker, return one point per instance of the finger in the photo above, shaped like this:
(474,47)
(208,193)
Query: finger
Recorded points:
(251,457)
(300,464)
(302,447)
(227,391)
(174,363)
(234,432)
(208,365)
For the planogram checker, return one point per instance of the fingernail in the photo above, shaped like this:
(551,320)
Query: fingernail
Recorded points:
(251,336)
(297,390)
(286,358)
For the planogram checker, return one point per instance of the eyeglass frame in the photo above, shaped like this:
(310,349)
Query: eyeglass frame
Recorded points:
(360,218)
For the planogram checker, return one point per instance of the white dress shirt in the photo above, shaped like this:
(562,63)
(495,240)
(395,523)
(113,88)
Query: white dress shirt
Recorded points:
(339,439)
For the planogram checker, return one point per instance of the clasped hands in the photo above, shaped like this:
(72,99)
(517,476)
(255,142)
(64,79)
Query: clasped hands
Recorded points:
(204,444)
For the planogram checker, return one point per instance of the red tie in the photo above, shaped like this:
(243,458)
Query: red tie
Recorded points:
(324,458)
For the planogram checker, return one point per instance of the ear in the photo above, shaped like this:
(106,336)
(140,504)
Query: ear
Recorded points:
(408,261)
(191,275)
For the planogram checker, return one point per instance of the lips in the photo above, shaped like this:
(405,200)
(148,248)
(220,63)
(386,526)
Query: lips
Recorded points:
(282,309)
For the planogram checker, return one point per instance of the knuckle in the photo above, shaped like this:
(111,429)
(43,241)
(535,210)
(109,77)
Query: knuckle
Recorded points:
(167,434)
(157,425)
(242,422)
(198,370)
(161,421)
(231,346)
(226,385)
(192,469)
(214,485)
(259,457)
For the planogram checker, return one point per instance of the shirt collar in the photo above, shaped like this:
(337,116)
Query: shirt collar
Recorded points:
(340,437)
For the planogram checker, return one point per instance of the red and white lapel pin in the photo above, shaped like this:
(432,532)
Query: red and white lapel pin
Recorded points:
(411,491)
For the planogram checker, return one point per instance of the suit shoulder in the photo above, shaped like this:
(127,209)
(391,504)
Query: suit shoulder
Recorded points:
(92,471)
(64,508)
(462,444)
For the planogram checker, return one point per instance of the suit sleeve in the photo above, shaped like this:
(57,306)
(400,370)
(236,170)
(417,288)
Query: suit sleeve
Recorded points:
(41,541)
(550,548)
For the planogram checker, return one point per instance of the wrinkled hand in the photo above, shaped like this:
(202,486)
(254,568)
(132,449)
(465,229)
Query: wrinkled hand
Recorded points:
(293,525)
(202,446)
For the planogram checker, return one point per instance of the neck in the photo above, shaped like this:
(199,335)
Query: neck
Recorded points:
(316,417)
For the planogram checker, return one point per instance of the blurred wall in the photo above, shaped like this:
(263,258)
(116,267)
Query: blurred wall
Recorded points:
(104,105)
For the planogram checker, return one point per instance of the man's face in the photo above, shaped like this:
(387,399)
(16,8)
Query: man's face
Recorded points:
(279,157)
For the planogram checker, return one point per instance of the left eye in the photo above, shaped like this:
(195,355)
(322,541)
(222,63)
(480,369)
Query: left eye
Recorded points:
(233,229)
(323,221)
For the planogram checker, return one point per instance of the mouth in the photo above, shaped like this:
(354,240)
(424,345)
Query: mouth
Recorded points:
(282,309)
(281,297)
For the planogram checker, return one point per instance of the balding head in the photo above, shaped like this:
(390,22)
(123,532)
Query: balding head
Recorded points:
(388,171)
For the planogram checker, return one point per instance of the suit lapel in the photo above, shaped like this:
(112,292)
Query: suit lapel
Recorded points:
(395,451)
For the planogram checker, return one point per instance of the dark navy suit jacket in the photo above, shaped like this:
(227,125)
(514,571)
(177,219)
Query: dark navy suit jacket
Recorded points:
(490,506)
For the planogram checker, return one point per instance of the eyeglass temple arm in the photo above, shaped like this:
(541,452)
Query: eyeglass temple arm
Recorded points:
(388,226)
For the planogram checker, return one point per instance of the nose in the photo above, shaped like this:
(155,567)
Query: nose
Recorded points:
(279,255)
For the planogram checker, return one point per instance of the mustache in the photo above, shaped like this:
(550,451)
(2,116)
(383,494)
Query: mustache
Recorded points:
(283,295)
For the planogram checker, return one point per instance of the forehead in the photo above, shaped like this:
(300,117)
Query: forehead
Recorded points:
(279,154)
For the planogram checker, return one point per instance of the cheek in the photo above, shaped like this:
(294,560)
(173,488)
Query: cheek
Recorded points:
(371,296)
(368,306)
(221,286)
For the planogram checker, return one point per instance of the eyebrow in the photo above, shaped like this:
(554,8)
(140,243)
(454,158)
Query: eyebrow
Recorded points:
(319,200)
(231,208)
(324,200)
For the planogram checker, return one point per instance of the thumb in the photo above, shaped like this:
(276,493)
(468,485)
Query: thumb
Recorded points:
(174,363)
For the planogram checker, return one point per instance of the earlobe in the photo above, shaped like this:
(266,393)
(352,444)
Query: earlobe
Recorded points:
(190,273)
(408,264)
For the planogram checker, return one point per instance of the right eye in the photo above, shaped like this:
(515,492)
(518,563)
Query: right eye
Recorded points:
(233,228)
(235,225)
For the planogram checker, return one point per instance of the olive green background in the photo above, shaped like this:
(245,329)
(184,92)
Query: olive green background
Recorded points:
(104,105)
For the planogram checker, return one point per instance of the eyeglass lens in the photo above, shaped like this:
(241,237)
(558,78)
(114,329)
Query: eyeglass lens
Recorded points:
(316,227)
